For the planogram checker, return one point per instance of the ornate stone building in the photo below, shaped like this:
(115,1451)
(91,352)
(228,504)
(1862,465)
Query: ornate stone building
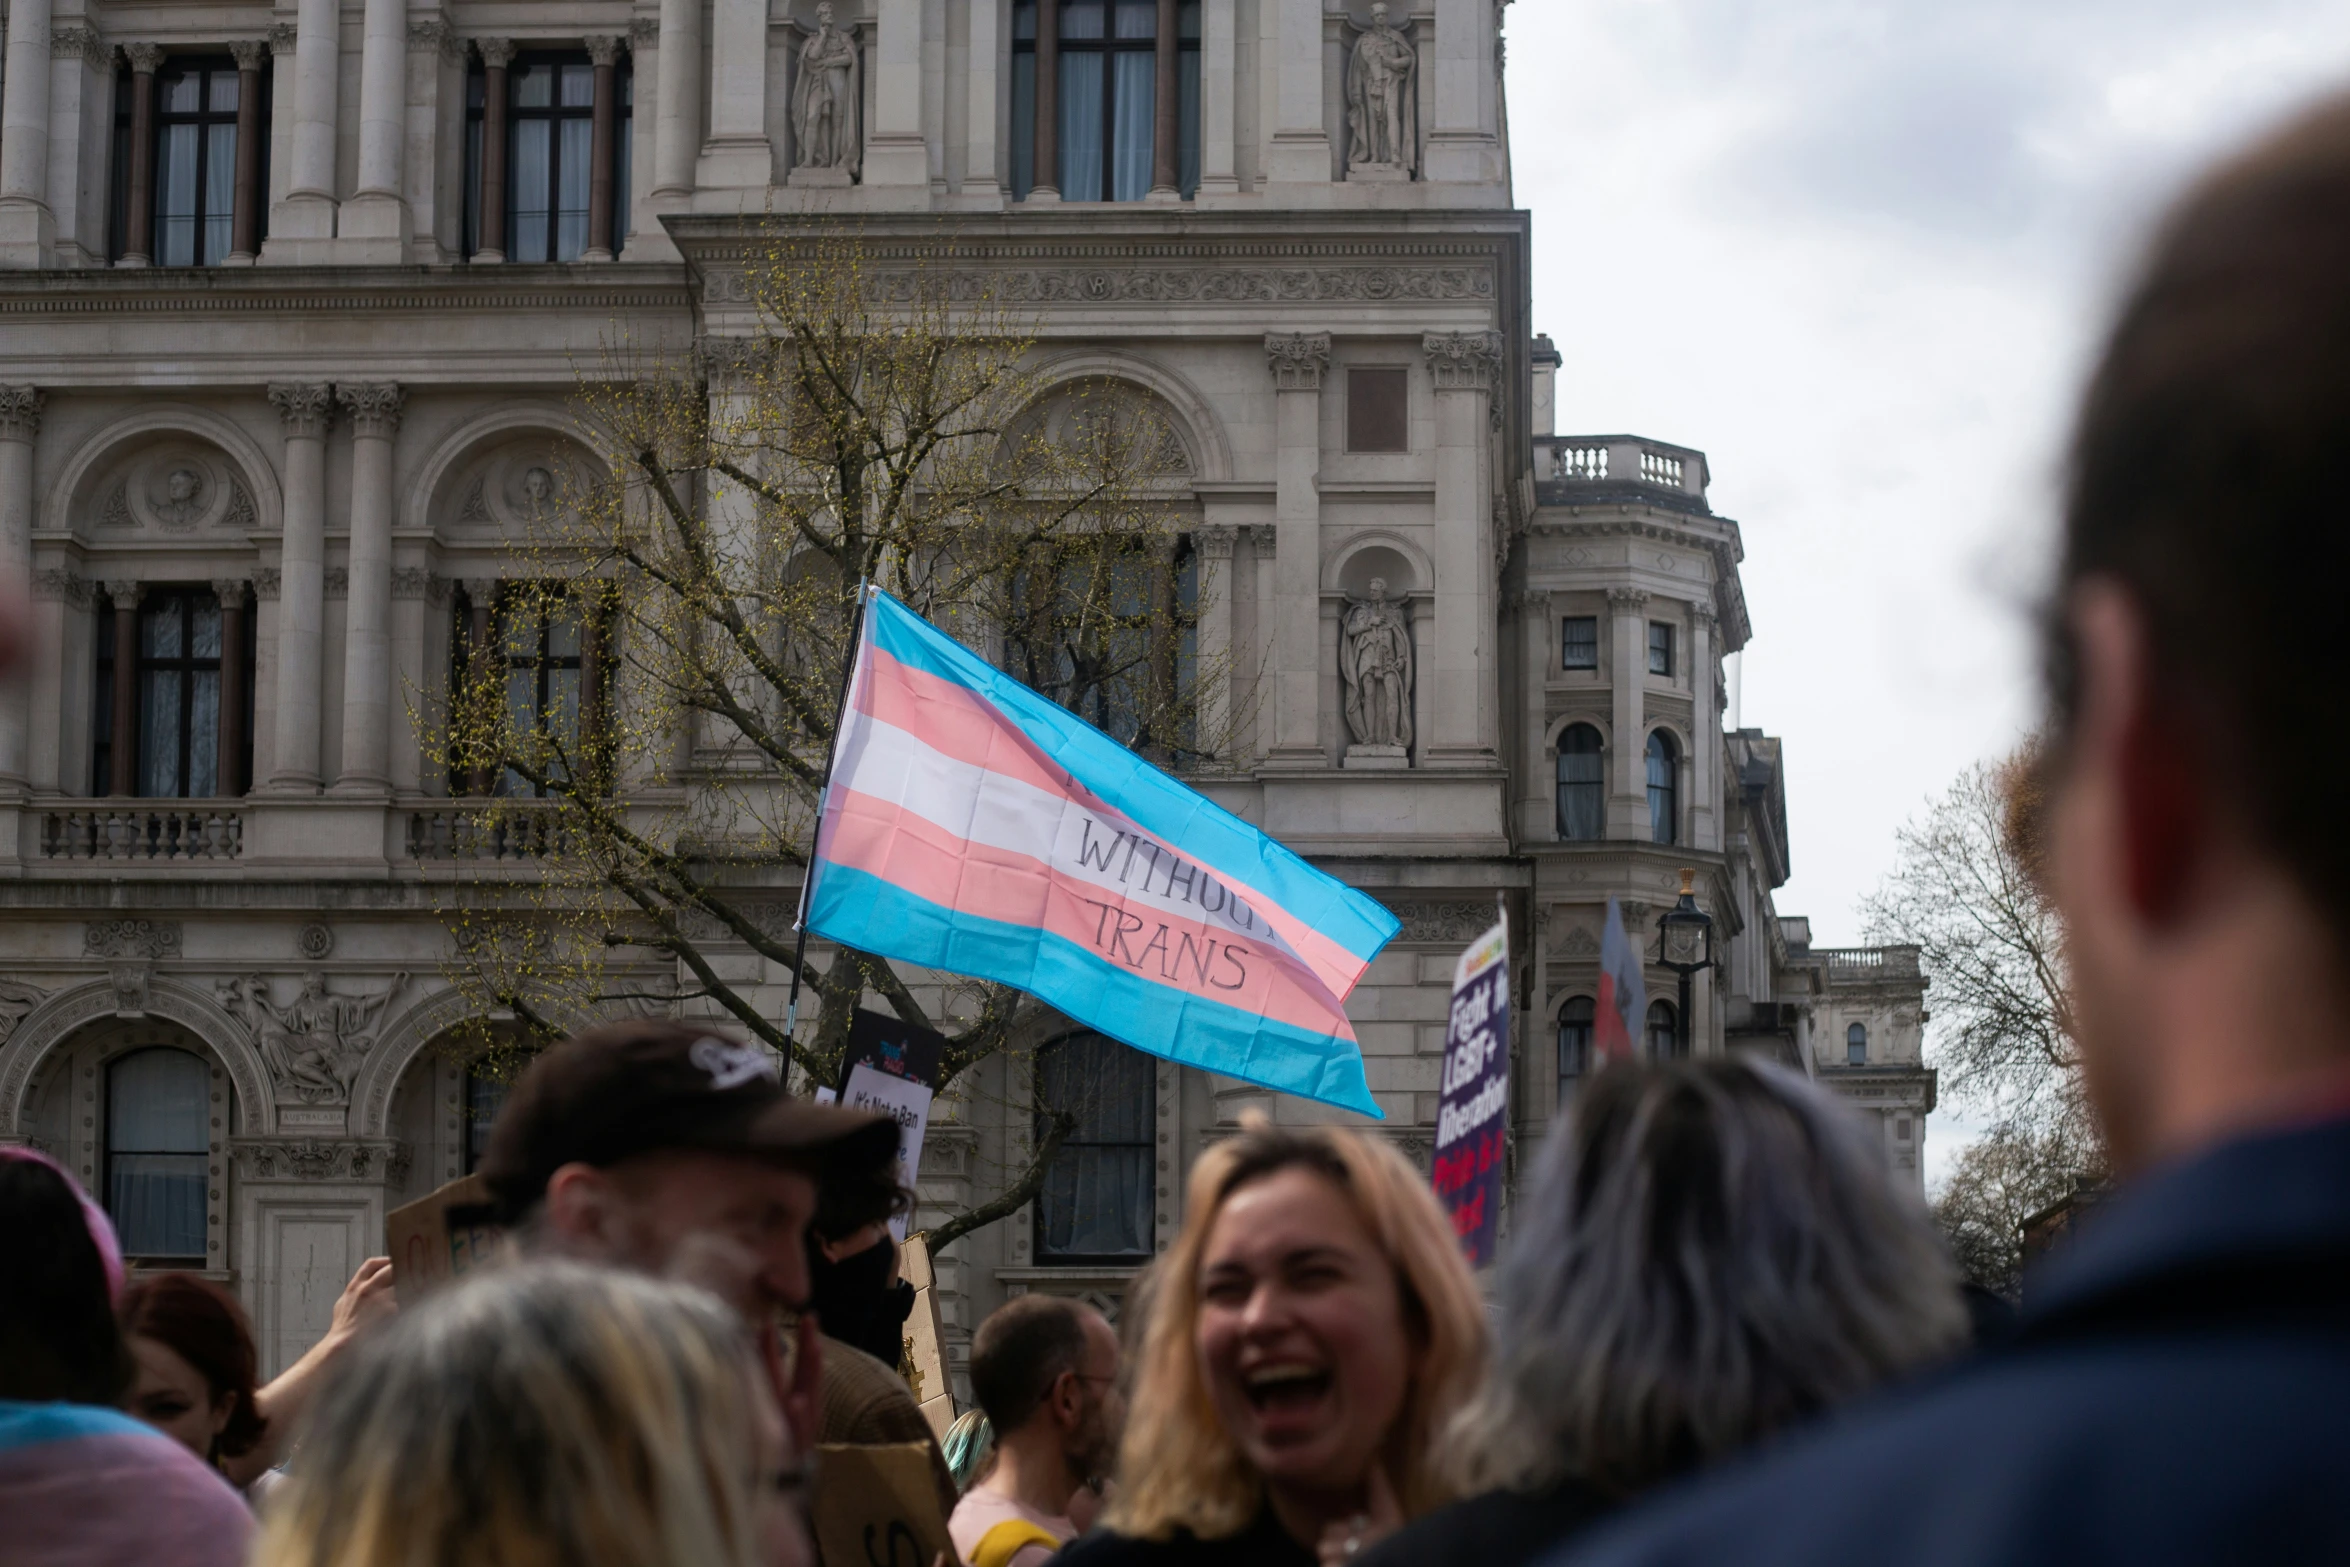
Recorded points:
(293,297)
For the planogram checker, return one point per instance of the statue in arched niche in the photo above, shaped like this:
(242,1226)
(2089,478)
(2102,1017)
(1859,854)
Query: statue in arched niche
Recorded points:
(1382,102)
(826,145)
(1375,660)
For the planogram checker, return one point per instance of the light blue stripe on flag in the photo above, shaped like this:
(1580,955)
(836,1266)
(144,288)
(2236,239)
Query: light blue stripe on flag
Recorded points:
(861,910)
(1166,809)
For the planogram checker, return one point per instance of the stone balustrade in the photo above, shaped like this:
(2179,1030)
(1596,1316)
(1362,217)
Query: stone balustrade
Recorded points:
(143,830)
(510,833)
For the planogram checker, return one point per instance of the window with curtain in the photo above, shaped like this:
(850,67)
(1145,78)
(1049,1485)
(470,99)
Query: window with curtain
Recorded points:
(1096,1204)
(1579,642)
(1856,1045)
(178,695)
(1582,787)
(1664,1038)
(1108,91)
(1575,1025)
(550,155)
(195,165)
(155,1153)
(1664,788)
(539,638)
(1660,648)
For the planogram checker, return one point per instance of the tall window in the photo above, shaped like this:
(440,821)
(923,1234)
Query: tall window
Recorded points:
(155,1153)
(1664,788)
(1579,642)
(550,155)
(1107,90)
(193,196)
(178,686)
(1575,1025)
(485,1096)
(1096,1201)
(1582,791)
(1660,648)
(539,639)
(1664,1036)
(1113,637)
(1856,1045)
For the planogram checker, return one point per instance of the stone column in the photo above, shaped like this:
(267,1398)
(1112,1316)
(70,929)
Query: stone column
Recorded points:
(27,229)
(1300,152)
(1048,102)
(677,110)
(1264,560)
(496,55)
(1627,810)
(377,210)
(367,621)
(895,153)
(1215,640)
(306,408)
(308,212)
(138,244)
(985,54)
(1166,156)
(1423,607)
(1461,143)
(1219,74)
(20,426)
(1298,361)
(604,51)
(1538,797)
(245,220)
(738,155)
(231,593)
(124,741)
(1464,366)
(1705,733)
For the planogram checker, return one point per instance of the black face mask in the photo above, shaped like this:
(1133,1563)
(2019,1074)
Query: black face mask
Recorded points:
(854,1305)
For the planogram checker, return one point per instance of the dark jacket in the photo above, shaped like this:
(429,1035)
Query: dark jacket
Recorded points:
(2177,1389)
(1498,1529)
(1262,1544)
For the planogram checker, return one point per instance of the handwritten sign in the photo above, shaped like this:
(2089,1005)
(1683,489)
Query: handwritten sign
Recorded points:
(893,1068)
(877,1506)
(1472,1110)
(441,1237)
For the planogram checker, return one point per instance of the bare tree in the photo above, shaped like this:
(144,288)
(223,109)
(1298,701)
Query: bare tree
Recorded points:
(695,601)
(1998,1183)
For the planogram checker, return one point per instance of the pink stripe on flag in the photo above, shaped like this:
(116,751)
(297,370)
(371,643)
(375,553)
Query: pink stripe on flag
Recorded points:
(960,723)
(1188,956)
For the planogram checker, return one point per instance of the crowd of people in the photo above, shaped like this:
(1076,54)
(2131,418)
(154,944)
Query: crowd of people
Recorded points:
(1721,1330)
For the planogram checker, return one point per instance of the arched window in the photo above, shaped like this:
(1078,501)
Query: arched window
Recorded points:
(1096,1202)
(1664,1039)
(1582,789)
(1575,1022)
(155,1153)
(1664,788)
(1856,1045)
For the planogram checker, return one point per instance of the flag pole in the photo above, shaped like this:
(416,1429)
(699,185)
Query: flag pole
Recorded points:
(840,710)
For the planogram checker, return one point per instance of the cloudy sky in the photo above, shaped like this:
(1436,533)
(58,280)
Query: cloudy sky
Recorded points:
(1857,251)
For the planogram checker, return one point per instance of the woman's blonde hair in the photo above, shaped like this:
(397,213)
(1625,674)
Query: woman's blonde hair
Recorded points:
(544,1415)
(1178,1468)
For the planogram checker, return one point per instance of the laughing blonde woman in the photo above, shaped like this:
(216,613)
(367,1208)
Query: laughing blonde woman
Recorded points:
(1310,1333)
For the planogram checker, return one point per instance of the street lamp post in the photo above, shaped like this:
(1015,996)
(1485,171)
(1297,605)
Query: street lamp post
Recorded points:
(1685,944)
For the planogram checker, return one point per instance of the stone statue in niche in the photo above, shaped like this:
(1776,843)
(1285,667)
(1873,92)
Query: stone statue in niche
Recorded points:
(826,146)
(183,499)
(1382,103)
(313,1047)
(1375,660)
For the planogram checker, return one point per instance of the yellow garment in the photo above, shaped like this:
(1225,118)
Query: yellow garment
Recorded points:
(1008,1539)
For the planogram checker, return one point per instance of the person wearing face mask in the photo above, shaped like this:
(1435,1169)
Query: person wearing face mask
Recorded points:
(1311,1332)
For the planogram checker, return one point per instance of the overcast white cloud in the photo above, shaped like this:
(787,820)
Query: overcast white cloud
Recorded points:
(1858,252)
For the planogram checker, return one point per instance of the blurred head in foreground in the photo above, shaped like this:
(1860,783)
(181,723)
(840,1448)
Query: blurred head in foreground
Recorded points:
(545,1413)
(196,1362)
(1708,1252)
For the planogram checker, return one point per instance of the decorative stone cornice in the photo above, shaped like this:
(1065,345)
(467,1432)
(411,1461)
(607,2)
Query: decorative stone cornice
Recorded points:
(123,593)
(644,32)
(230,591)
(320,1159)
(281,38)
(604,49)
(95,52)
(480,592)
(1451,923)
(496,52)
(249,52)
(265,580)
(20,412)
(1215,541)
(438,591)
(435,33)
(131,939)
(1463,361)
(1623,599)
(1297,359)
(1267,541)
(375,408)
(411,582)
(53,582)
(145,58)
(306,408)
(1113,283)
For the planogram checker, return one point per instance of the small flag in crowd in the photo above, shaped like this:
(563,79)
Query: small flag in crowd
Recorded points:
(974,826)
(1623,992)
(1471,1109)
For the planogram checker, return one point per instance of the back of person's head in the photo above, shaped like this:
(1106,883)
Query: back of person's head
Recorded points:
(206,1327)
(1178,1467)
(1707,1252)
(2205,479)
(59,1340)
(1018,1354)
(546,1413)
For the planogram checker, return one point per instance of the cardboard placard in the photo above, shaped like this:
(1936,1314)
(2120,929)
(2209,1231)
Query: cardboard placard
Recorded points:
(877,1506)
(441,1237)
(926,1346)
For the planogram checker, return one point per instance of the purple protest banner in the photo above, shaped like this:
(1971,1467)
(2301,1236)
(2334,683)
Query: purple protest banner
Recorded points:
(1472,1110)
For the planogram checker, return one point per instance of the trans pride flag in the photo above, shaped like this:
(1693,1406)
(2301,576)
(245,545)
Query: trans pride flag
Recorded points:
(972,825)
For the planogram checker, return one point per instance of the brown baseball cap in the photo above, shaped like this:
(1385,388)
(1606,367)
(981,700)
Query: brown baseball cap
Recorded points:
(629,1088)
